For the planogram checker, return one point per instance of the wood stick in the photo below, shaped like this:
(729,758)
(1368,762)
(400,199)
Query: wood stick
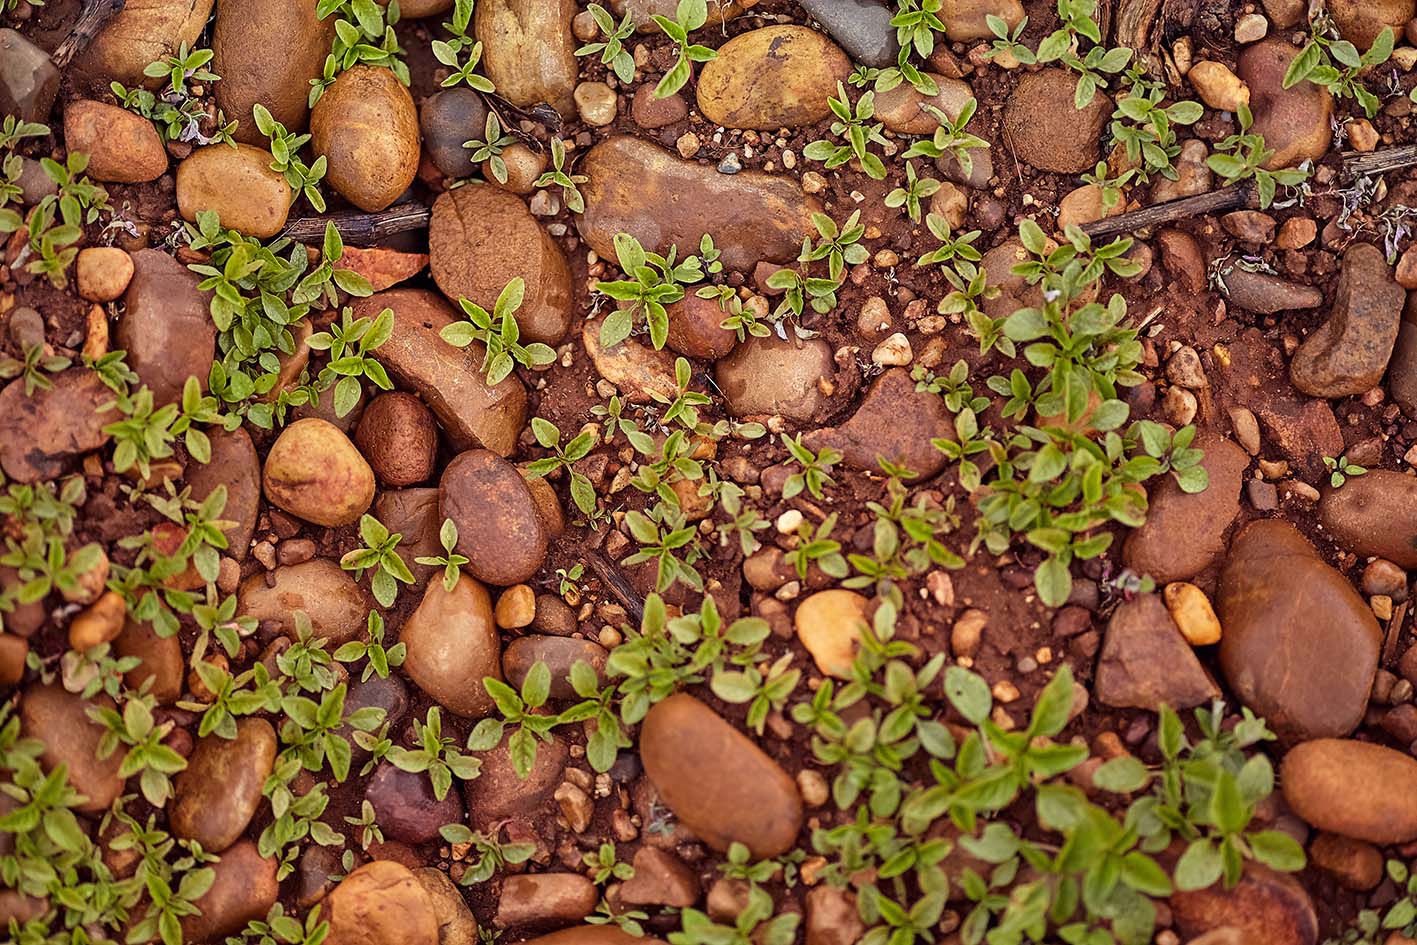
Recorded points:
(360,229)
(1355,164)
(92,19)
(633,603)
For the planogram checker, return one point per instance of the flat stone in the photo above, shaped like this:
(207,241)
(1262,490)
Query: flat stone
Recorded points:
(641,189)
(1266,294)
(1046,129)
(123,146)
(450,380)
(1266,907)
(717,781)
(766,376)
(28,80)
(337,606)
(894,422)
(456,924)
(381,903)
(499,529)
(235,465)
(544,899)
(166,326)
(1300,645)
(862,27)
(1349,352)
(1184,533)
(1374,515)
(41,432)
(499,792)
(1145,661)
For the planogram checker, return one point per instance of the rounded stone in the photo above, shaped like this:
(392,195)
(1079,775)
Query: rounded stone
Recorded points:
(770,78)
(366,127)
(236,183)
(314,472)
(218,793)
(452,644)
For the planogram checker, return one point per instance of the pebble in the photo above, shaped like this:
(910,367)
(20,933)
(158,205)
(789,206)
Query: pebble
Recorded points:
(1355,864)
(903,108)
(1294,122)
(456,924)
(1296,233)
(448,380)
(141,34)
(161,660)
(544,899)
(1266,294)
(499,530)
(661,879)
(235,465)
(595,101)
(166,326)
(1349,352)
(1249,226)
(893,352)
(516,33)
(1360,21)
(216,796)
(60,720)
(770,78)
(314,472)
(694,328)
(452,644)
(480,239)
(325,592)
(559,654)
(651,113)
(405,806)
(638,188)
(717,781)
(381,903)
(267,51)
(1265,908)
(445,119)
(366,127)
(829,624)
(1300,644)
(1046,130)
(766,376)
(1184,532)
(1251,28)
(862,27)
(103,272)
(28,80)
(244,889)
(41,432)
(1352,788)
(399,438)
(1192,611)
(1217,86)
(894,420)
(1374,515)
(123,147)
(499,792)
(1146,662)
(99,623)
(237,183)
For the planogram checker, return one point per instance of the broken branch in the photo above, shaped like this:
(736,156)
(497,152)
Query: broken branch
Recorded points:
(92,19)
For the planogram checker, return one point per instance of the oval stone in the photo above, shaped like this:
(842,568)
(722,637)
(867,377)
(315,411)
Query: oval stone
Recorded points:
(405,806)
(559,654)
(1374,515)
(499,792)
(480,238)
(161,660)
(337,606)
(1357,789)
(245,888)
(60,720)
(234,464)
(237,183)
(1266,907)
(592,935)
(366,126)
(528,50)
(218,793)
(775,376)
(717,781)
(1043,126)
(452,644)
(770,78)
(266,52)
(499,530)
(1300,645)
(1294,122)
(314,472)
(641,189)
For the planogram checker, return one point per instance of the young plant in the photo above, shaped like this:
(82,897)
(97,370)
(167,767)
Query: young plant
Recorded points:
(840,245)
(436,754)
(1242,157)
(606,866)
(546,433)
(494,141)
(851,125)
(613,53)
(519,709)
(654,282)
(498,333)
(450,561)
(364,34)
(763,691)
(688,16)
(912,192)
(449,52)
(33,368)
(1335,64)
(950,139)
(815,468)
(1341,470)
(350,343)
(487,855)
(380,555)
(304,179)
(146,755)
(380,659)
(560,176)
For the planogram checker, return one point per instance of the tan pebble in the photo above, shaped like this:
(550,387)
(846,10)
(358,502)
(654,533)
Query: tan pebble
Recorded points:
(104,272)
(1247,429)
(1218,87)
(1382,606)
(1193,613)
(813,786)
(1005,691)
(101,622)
(687,145)
(829,624)
(1362,135)
(895,351)
(967,632)
(516,607)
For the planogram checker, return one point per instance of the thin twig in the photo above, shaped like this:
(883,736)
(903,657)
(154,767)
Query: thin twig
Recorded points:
(360,229)
(633,603)
(92,19)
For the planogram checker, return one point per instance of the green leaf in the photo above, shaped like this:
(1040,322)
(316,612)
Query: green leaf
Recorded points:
(968,693)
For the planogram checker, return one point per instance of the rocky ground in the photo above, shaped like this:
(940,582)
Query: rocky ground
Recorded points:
(716,472)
